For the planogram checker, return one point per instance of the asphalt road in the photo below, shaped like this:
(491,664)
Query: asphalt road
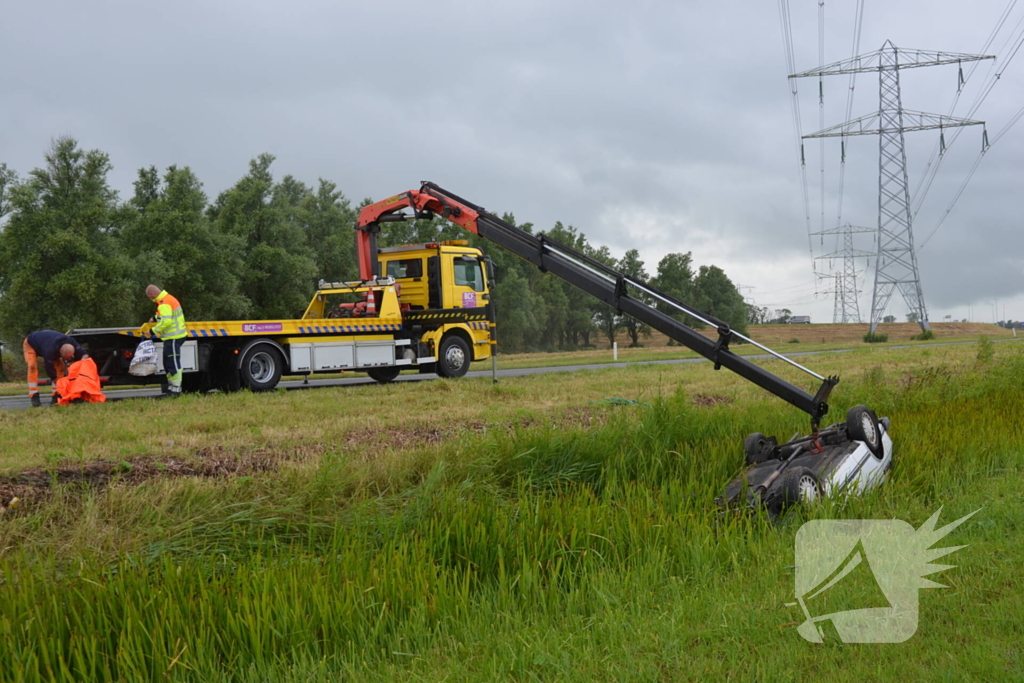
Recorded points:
(22,402)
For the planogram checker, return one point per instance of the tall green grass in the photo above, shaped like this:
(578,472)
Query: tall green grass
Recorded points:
(545,554)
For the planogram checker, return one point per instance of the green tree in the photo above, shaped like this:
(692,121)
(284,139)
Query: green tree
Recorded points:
(173,244)
(718,297)
(757,315)
(577,323)
(889,319)
(632,266)
(328,219)
(606,318)
(59,261)
(520,312)
(8,179)
(278,266)
(675,278)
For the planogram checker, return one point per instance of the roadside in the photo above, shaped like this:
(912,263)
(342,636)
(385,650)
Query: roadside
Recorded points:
(656,348)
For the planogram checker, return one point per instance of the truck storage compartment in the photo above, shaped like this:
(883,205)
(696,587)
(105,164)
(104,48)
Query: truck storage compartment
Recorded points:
(374,353)
(189,357)
(332,355)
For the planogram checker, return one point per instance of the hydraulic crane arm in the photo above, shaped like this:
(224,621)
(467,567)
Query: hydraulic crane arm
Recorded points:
(593,277)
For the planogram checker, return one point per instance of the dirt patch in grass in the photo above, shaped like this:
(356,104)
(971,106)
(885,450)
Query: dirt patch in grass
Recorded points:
(708,400)
(35,485)
(412,437)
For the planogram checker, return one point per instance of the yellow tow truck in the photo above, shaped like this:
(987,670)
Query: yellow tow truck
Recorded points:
(428,308)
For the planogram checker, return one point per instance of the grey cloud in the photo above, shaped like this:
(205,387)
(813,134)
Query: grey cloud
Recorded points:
(659,125)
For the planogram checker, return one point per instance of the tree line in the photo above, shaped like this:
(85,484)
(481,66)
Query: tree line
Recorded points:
(72,254)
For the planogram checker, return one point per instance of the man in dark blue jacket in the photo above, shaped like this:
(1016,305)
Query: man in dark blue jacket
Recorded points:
(57,350)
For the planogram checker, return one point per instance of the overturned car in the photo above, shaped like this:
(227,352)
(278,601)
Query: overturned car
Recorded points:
(842,459)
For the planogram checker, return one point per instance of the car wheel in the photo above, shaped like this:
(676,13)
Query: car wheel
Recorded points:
(384,375)
(798,485)
(261,368)
(862,425)
(454,359)
(756,448)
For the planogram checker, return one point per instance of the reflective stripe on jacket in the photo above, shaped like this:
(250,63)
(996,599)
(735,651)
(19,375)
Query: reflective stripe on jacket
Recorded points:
(170,320)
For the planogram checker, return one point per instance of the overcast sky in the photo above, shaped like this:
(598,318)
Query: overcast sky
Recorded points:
(665,126)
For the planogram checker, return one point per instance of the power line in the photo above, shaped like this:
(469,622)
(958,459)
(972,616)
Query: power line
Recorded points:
(941,147)
(987,144)
(857,26)
(787,41)
(821,106)
(986,90)
(963,186)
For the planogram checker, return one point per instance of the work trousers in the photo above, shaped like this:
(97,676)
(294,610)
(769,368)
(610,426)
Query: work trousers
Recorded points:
(172,364)
(32,361)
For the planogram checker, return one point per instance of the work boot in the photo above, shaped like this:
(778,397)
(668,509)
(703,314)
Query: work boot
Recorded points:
(54,397)
(34,400)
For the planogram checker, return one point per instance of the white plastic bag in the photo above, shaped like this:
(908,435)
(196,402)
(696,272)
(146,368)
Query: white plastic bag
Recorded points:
(144,361)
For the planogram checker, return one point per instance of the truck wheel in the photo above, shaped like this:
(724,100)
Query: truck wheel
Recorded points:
(862,425)
(797,485)
(261,368)
(384,375)
(454,359)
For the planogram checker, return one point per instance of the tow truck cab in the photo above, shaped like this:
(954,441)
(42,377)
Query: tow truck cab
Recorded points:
(438,277)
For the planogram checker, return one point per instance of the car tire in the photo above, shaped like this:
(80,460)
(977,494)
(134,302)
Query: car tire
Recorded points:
(756,448)
(862,425)
(454,358)
(261,368)
(798,485)
(384,375)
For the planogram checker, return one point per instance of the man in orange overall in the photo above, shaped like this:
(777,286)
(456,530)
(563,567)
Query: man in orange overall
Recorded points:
(57,351)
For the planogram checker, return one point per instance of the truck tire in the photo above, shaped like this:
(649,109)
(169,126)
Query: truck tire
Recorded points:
(454,358)
(384,375)
(261,368)
(862,425)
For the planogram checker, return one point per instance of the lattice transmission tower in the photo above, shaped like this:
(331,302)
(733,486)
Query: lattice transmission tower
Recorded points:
(895,260)
(847,306)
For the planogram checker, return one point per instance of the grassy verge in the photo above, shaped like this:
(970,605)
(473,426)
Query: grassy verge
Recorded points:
(551,550)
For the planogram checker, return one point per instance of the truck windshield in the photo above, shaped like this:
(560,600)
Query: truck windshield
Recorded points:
(469,274)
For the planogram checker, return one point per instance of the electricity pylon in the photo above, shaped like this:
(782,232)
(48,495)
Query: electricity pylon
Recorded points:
(896,260)
(847,308)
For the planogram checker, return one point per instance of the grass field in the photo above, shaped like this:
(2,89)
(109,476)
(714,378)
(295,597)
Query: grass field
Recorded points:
(465,531)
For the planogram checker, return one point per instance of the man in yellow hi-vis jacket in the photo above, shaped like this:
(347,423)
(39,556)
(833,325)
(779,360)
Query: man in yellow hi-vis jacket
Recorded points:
(170,328)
